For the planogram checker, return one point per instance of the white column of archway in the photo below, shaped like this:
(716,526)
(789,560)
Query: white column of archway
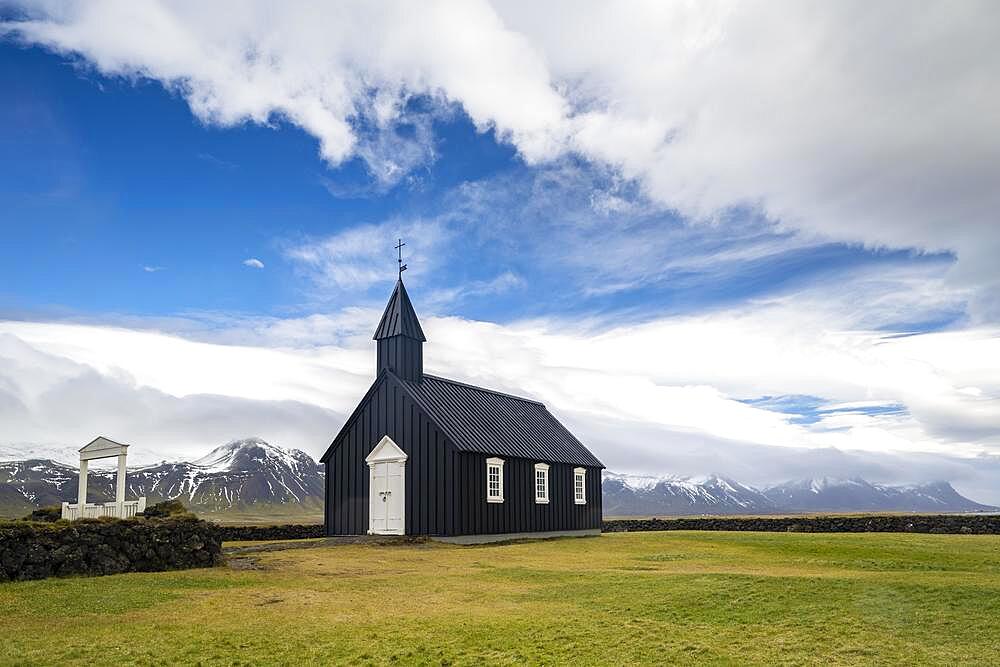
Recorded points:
(81,494)
(120,480)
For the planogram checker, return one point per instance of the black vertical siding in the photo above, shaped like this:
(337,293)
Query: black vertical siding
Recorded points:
(519,513)
(389,411)
(402,355)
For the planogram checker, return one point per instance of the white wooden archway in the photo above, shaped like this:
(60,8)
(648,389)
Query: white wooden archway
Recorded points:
(103,448)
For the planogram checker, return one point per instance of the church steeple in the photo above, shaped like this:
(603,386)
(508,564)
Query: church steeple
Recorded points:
(400,338)
(399,318)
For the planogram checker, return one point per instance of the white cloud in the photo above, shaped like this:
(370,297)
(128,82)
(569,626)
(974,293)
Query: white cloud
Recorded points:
(321,68)
(504,282)
(392,156)
(181,367)
(878,124)
(365,255)
(152,269)
(862,123)
(253,263)
(657,396)
(49,399)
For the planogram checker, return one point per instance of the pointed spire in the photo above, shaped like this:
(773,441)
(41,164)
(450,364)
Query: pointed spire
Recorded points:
(399,318)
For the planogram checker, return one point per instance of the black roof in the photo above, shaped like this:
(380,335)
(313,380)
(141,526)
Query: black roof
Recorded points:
(399,318)
(489,422)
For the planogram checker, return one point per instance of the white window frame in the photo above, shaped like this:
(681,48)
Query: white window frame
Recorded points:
(541,468)
(580,495)
(498,464)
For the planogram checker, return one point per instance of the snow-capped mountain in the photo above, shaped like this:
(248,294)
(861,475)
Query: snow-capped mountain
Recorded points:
(64,454)
(26,485)
(237,475)
(241,475)
(631,495)
(854,495)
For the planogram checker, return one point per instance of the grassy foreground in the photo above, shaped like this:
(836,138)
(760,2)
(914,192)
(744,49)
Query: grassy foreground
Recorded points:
(718,598)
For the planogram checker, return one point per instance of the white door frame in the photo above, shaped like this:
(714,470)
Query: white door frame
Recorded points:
(386,452)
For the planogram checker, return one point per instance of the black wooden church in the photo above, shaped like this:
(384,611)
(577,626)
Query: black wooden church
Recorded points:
(423,455)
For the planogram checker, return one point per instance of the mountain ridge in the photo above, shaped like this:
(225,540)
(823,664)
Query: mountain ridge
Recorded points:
(250,474)
(639,495)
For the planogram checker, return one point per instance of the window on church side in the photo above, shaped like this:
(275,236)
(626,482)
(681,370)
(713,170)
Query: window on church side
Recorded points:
(580,486)
(541,483)
(494,480)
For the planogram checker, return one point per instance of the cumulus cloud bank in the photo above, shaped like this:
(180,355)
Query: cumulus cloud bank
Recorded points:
(51,404)
(678,395)
(865,123)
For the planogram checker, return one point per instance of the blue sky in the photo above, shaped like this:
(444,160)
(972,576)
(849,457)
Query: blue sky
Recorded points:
(688,246)
(115,176)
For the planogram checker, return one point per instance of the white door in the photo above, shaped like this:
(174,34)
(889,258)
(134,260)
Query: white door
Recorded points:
(387,498)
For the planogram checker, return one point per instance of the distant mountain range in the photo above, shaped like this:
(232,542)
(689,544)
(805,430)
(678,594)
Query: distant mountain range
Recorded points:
(243,475)
(631,495)
(253,476)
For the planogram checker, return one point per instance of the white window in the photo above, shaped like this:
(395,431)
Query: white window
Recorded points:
(494,480)
(580,486)
(541,482)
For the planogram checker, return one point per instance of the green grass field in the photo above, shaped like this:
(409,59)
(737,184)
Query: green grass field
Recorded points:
(269,517)
(672,597)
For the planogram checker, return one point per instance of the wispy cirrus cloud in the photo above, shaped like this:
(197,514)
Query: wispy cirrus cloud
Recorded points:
(217,161)
(253,263)
(365,255)
(448,296)
(573,218)
(550,230)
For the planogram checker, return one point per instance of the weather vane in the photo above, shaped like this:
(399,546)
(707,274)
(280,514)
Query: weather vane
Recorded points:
(399,250)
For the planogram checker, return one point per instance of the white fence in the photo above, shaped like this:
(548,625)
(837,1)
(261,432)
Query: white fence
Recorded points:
(125,510)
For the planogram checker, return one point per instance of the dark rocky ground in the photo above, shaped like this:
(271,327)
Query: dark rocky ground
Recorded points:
(30,550)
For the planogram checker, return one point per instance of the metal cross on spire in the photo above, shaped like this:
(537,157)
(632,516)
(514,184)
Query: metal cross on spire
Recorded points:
(399,250)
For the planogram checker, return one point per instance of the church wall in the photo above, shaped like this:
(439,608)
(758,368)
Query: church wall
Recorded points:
(430,507)
(519,512)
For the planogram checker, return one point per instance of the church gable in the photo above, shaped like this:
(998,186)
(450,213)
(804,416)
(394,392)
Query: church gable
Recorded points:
(389,413)
(390,403)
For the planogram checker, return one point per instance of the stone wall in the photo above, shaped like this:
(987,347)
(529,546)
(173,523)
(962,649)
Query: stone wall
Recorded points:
(259,533)
(979,524)
(30,550)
